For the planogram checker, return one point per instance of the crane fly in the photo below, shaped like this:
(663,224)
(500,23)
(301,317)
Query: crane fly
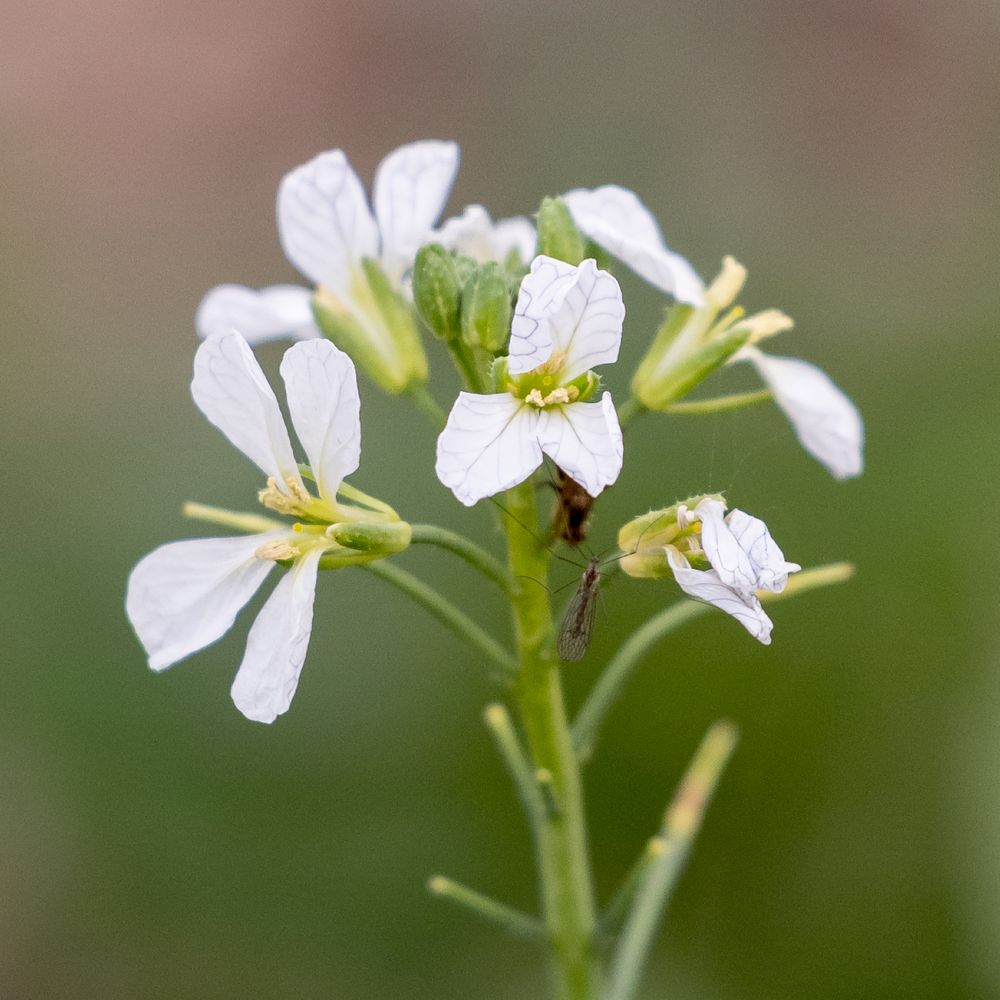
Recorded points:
(573,506)
(578,621)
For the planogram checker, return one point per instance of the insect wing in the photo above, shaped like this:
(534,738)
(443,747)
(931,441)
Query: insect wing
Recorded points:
(578,621)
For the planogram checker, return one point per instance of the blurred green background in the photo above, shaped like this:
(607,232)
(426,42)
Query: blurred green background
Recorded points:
(153,843)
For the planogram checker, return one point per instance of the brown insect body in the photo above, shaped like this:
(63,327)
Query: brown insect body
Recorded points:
(572,511)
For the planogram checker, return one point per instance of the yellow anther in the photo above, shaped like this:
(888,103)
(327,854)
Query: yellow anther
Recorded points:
(557,396)
(535,398)
(277,550)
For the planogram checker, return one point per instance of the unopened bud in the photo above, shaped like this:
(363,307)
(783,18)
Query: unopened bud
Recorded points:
(557,233)
(436,290)
(486,309)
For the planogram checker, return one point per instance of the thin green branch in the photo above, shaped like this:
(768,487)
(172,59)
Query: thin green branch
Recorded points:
(464,548)
(442,609)
(502,730)
(629,410)
(614,913)
(681,824)
(492,910)
(590,718)
(427,404)
(720,404)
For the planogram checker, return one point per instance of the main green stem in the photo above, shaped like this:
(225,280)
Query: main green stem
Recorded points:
(564,870)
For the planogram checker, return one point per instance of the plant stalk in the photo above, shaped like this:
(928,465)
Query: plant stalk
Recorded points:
(567,893)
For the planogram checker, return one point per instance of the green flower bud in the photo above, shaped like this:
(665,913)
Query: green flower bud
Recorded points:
(557,233)
(693,342)
(436,290)
(486,309)
(374,538)
(375,325)
(644,538)
(662,379)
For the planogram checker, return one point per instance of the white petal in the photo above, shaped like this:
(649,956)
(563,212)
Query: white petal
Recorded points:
(230,389)
(475,235)
(585,441)
(705,585)
(587,324)
(615,219)
(488,445)
(324,221)
(515,233)
(409,193)
(185,595)
(770,567)
(277,644)
(826,422)
(268,314)
(543,288)
(322,390)
(723,550)
(741,549)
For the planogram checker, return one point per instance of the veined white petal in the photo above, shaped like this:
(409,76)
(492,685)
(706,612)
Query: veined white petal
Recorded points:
(322,391)
(585,441)
(185,595)
(277,644)
(729,552)
(514,233)
(409,193)
(543,288)
(827,424)
(260,315)
(230,389)
(324,222)
(768,561)
(705,585)
(614,218)
(474,234)
(488,445)
(586,325)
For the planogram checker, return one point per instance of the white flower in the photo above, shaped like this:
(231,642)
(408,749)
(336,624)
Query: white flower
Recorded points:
(615,219)
(827,424)
(327,229)
(743,557)
(474,234)
(185,595)
(567,320)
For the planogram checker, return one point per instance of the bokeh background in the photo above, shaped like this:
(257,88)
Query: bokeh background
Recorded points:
(155,844)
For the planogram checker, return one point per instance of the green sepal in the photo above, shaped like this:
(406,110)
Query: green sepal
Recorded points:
(587,385)
(500,374)
(644,538)
(557,233)
(486,309)
(671,383)
(379,538)
(378,330)
(437,290)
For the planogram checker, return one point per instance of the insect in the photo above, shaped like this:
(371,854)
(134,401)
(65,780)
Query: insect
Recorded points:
(572,512)
(578,621)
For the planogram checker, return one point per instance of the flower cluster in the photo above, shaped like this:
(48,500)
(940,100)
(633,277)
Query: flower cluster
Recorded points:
(527,315)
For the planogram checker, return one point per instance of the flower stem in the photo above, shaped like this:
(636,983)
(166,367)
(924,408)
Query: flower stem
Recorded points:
(720,403)
(590,718)
(488,565)
(427,404)
(442,609)
(564,870)
(513,921)
(629,410)
(680,826)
